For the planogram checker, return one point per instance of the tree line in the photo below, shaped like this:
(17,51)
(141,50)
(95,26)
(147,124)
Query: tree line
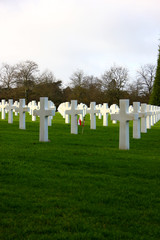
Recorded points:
(24,80)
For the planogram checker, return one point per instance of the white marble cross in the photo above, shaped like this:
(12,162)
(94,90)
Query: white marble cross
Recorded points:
(124,117)
(32,108)
(3,108)
(143,115)
(158,113)
(136,122)
(114,109)
(156,108)
(16,104)
(51,106)
(149,113)
(154,115)
(67,117)
(99,108)
(74,112)
(22,109)
(81,106)
(93,111)
(10,108)
(43,113)
(105,111)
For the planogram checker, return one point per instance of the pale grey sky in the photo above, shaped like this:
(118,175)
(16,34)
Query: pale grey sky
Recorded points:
(92,35)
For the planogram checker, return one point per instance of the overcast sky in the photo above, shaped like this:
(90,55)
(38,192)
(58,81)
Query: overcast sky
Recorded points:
(92,35)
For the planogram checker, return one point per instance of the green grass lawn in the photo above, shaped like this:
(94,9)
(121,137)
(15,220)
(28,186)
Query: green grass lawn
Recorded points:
(78,186)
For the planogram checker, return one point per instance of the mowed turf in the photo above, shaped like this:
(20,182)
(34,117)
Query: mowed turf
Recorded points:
(78,186)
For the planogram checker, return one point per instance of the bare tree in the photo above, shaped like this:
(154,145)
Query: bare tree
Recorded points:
(115,77)
(26,76)
(146,74)
(77,79)
(135,91)
(114,83)
(46,77)
(7,75)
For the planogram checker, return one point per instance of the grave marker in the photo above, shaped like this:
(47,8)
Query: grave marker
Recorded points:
(67,117)
(51,107)
(114,109)
(105,111)
(74,111)
(149,113)
(22,109)
(3,108)
(136,122)
(93,111)
(143,118)
(16,104)
(43,113)
(32,108)
(124,117)
(10,108)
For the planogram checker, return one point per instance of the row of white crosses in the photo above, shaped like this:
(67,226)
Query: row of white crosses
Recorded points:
(66,106)
(124,116)
(73,110)
(45,110)
(99,111)
(94,110)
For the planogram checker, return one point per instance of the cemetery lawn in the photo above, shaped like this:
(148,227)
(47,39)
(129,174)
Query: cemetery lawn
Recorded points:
(78,186)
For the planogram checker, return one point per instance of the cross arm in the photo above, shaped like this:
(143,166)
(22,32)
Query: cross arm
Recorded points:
(115,117)
(132,116)
(142,114)
(25,109)
(103,111)
(8,107)
(78,111)
(95,111)
(67,111)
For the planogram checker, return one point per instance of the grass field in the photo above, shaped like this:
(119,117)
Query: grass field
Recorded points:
(78,186)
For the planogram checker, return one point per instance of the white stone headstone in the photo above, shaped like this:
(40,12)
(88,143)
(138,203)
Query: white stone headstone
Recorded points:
(30,108)
(10,108)
(33,107)
(158,113)
(51,107)
(149,113)
(6,110)
(74,111)
(16,104)
(43,113)
(82,107)
(114,109)
(124,117)
(67,117)
(105,111)
(93,111)
(143,115)
(22,109)
(154,115)
(136,122)
(100,114)
(3,107)
(62,108)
